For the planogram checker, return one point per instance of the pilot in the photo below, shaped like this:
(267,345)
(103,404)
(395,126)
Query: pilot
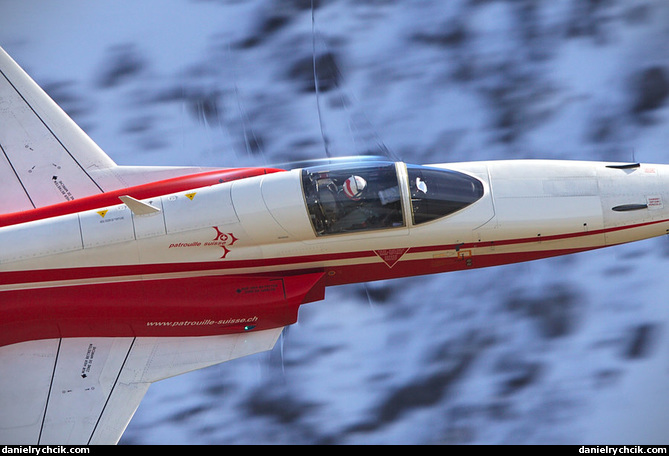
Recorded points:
(354,187)
(354,213)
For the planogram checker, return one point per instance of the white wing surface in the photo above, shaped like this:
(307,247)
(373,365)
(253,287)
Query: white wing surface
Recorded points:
(45,158)
(85,390)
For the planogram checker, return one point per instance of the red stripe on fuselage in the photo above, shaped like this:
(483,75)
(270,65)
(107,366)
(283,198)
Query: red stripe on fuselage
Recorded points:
(144,191)
(222,267)
(554,237)
(210,267)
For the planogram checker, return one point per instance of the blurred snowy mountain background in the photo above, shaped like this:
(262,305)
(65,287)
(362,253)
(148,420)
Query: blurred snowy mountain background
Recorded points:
(566,350)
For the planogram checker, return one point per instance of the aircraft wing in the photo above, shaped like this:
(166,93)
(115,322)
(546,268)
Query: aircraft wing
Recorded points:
(45,157)
(83,391)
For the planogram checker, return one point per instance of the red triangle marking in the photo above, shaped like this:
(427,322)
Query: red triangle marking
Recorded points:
(391,256)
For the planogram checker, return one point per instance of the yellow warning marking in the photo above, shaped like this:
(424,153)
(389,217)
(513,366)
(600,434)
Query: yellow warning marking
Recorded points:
(103,213)
(191,195)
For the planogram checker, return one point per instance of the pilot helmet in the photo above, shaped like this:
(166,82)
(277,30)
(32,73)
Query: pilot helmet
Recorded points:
(354,186)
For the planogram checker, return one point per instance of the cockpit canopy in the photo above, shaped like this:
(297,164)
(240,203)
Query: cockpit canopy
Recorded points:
(345,198)
(437,192)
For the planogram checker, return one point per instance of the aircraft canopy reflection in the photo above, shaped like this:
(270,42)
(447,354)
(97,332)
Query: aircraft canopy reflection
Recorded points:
(430,193)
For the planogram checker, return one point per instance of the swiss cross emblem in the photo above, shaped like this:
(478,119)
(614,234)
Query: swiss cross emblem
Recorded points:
(391,256)
(223,240)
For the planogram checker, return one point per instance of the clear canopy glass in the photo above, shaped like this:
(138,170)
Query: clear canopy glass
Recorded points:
(345,198)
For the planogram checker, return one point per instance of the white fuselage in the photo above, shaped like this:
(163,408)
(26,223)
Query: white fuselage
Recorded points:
(260,227)
(528,206)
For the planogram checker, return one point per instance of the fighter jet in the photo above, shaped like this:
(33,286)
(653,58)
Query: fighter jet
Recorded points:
(115,277)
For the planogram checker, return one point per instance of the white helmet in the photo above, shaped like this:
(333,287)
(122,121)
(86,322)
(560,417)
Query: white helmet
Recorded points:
(354,186)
